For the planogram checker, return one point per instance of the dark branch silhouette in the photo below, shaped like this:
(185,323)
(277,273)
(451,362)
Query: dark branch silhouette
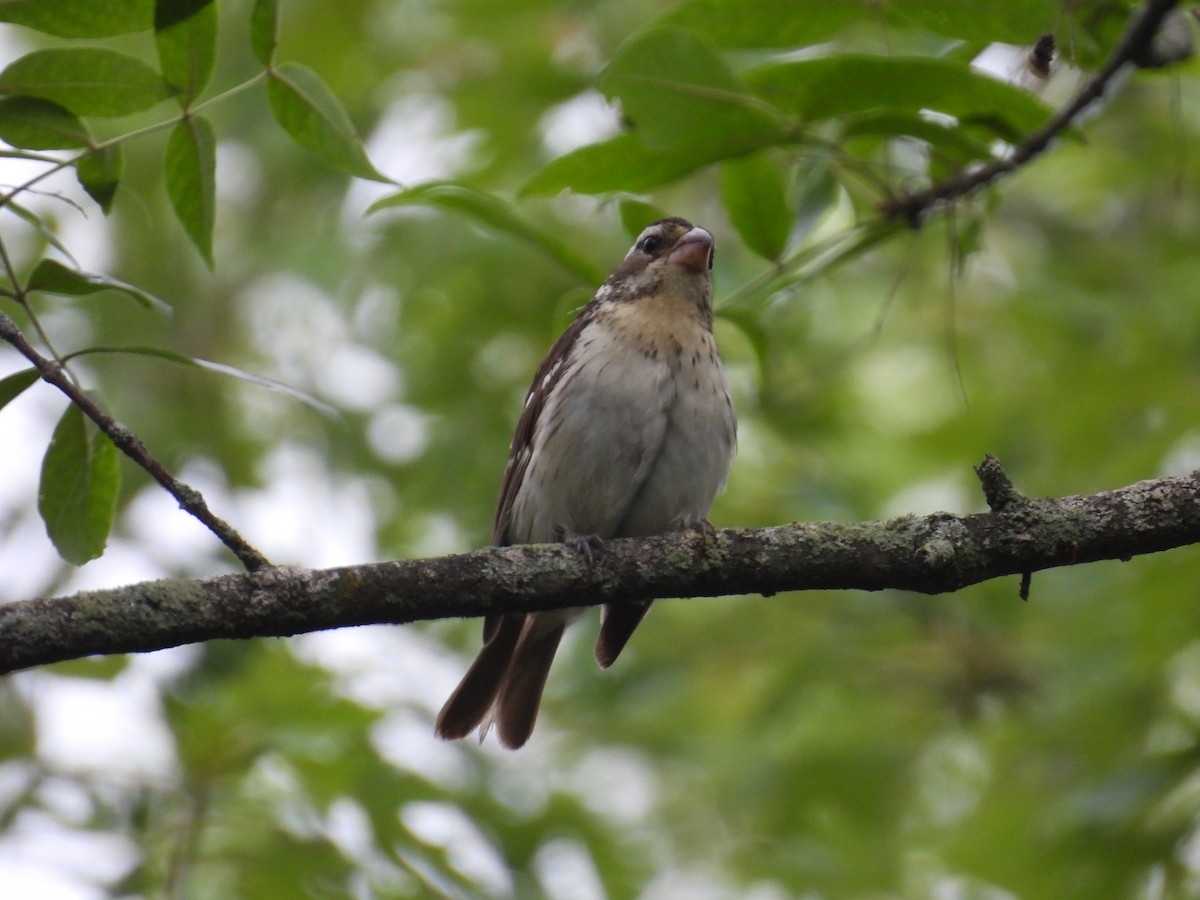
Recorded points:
(1136,48)
(926,554)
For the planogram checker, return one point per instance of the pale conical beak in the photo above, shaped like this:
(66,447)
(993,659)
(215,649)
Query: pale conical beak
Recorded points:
(693,250)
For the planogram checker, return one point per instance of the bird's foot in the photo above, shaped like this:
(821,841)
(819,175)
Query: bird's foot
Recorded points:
(589,546)
(707,534)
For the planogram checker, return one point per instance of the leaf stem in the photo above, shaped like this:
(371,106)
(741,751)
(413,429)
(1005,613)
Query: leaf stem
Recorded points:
(21,298)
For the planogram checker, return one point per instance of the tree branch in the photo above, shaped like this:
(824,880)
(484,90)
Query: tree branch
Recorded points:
(131,445)
(929,554)
(1135,48)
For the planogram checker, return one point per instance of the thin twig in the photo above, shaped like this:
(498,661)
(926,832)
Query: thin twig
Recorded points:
(19,296)
(1138,37)
(189,498)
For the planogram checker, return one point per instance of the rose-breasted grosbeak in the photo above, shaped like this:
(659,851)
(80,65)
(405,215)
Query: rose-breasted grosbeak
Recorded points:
(627,431)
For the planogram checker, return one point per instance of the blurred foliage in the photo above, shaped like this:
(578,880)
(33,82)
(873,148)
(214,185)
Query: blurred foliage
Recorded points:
(825,744)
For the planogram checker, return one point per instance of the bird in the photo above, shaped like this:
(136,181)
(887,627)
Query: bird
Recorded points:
(628,430)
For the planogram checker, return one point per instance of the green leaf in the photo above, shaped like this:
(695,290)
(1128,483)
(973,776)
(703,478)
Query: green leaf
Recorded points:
(77,497)
(895,83)
(802,23)
(89,81)
(811,261)
(15,384)
(53,277)
(1014,21)
(754,190)
(220,368)
(264,30)
(857,241)
(681,95)
(191,163)
(79,18)
(637,214)
(35,124)
(815,191)
(494,212)
(621,163)
(772,23)
(40,226)
(185,32)
(687,110)
(99,173)
(849,246)
(308,111)
(950,143)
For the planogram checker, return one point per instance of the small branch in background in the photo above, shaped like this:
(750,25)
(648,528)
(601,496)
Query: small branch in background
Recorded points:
(924,554)
(998,490)
(1002,497)
(1139,46)
(128,443)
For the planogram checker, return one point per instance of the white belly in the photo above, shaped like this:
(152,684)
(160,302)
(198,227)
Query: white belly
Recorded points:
(632,444)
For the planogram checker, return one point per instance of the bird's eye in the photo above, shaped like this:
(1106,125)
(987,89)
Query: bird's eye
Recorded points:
(651,244)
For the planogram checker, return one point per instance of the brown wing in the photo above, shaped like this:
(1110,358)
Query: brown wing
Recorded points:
(552,369)
(521,449)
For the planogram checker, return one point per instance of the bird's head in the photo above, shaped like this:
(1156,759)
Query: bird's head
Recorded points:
(670,258)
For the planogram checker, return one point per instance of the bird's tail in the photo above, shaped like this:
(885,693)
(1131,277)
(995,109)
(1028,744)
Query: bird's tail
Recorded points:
(617,621)
(476,693)
(506,680)
(521,693)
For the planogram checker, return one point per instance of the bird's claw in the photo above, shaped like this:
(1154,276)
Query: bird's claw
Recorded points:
(589,546)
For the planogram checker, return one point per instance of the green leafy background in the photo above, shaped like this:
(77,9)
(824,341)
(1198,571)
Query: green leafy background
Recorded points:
(818,745)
